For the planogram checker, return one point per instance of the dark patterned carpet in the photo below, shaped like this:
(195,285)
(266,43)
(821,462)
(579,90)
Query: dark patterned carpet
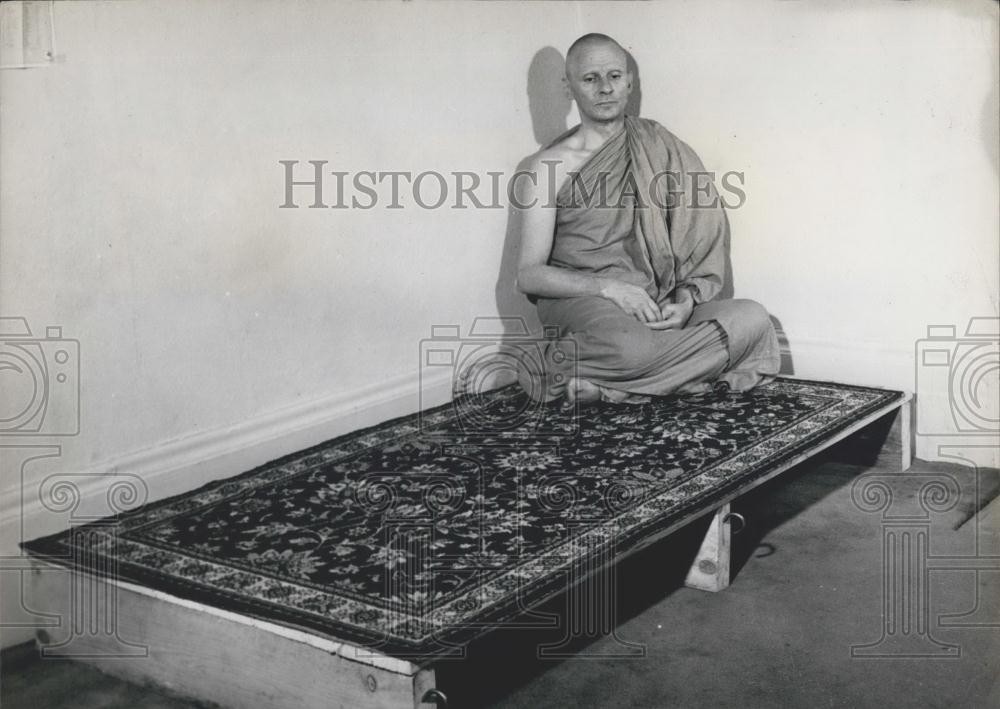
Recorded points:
(430,529)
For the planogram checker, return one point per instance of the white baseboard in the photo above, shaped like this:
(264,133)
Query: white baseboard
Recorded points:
(849,361)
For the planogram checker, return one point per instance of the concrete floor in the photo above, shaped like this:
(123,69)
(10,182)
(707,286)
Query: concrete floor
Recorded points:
(807,586)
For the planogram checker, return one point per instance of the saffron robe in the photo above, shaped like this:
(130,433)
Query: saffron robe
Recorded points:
(642,210)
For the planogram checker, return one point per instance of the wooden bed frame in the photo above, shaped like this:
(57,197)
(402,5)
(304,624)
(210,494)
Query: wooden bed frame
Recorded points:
(196,651)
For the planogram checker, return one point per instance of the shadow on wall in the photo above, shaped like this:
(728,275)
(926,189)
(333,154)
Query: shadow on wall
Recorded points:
(991,108)
(548,101)
(990,117)
(549,107)
(635,98)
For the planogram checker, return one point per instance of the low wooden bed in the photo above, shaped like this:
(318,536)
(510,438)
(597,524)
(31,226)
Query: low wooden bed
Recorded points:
(339,576)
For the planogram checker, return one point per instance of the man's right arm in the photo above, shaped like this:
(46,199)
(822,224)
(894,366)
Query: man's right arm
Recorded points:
(536,277)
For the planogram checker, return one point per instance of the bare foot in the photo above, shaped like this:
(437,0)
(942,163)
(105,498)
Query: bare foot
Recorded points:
(581,391)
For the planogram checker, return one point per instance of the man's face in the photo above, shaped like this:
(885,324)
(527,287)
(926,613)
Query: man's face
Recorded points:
(597,77)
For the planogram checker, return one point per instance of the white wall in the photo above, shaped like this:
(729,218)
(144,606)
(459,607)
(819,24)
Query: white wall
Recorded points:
(140,184)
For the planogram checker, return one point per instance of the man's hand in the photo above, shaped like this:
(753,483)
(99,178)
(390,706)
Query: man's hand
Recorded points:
(632,299)
(675,315)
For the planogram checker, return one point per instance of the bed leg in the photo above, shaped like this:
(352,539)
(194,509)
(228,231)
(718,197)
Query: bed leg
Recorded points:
(896,453)
(425,695)
(710,570)
(886,444)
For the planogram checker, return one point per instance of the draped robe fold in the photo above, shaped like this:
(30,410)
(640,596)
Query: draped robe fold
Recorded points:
(642,210)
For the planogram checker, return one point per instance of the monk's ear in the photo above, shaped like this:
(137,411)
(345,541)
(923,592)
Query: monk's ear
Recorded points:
(566,89)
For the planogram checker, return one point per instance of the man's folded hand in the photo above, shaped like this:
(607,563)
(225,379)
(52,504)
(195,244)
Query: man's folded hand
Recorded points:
(631,298)
(673,315)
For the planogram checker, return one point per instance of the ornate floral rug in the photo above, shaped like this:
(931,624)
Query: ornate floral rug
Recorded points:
(427,530)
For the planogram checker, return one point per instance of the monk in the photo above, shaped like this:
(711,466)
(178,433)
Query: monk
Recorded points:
(627,264)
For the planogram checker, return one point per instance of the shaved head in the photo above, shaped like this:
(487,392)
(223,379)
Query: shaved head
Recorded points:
(590,41)
(598,79)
